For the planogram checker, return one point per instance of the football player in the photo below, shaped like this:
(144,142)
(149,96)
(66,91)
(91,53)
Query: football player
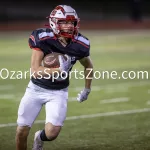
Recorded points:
(63,37)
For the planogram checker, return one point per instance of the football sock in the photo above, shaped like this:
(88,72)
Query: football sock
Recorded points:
(43,136)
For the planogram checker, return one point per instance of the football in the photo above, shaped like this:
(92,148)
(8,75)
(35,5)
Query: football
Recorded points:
(52,60)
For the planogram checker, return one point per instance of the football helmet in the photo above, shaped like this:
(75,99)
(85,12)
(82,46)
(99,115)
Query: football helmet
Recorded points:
(64,13)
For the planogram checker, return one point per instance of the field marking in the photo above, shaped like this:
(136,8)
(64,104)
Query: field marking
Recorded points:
(148,102)
(72,99)
(114,100)
(7,96)
(115,113)
(123,85)
(119,87)
(6,87)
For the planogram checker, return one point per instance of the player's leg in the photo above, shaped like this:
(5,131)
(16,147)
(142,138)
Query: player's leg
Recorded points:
(48,134)
(21,137)
(29,109)
(56,110)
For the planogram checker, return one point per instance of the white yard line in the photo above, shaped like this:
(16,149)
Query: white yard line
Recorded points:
(122,85)
(148,102)
(116,86)
(113,89)
(114,100)
(115,113)
(72,99)
(119,87)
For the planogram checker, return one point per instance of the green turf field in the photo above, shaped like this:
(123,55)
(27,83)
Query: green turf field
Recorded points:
(116,115)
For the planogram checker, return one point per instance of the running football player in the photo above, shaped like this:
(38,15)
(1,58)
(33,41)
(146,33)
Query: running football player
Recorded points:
(62,37)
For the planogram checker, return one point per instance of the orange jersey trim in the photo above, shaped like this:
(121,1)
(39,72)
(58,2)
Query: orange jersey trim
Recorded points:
(37,49)
(34,48)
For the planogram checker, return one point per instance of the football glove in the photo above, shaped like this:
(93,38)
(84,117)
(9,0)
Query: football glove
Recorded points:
(83,95)
(64,64)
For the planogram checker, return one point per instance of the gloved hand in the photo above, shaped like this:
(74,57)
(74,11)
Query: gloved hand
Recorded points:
(83,95)
(65,65)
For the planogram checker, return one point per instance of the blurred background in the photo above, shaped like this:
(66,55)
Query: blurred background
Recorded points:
(97,13)
(116,114)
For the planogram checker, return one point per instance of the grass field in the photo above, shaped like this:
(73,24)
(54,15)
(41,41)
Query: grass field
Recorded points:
(116,115)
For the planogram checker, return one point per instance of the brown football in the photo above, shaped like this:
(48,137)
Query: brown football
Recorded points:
(52,61)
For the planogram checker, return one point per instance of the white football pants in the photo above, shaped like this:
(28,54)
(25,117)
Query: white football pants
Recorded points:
(35,97)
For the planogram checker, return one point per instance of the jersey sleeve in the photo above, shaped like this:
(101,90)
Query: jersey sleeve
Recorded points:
(38,40)
(87,51)
(34,41)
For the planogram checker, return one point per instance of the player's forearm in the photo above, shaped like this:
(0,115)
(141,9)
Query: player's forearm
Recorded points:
(88,76)
(44,72)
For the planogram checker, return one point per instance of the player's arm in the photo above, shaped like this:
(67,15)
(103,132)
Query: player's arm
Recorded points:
(88,71)
(37,56)
(37,69)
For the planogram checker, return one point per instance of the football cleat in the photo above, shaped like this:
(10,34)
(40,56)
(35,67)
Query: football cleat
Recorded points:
(38,143)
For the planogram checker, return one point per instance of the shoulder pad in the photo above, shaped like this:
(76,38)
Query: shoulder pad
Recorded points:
(39,34)
(45,34)
(83,45)
(82,39)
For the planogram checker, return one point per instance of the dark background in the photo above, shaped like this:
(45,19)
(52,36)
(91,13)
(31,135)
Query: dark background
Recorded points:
(20,14)
(86,9)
